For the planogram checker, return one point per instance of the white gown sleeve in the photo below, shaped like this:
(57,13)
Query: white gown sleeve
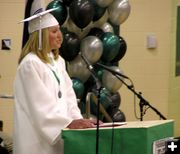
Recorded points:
(73,109)
(36,99)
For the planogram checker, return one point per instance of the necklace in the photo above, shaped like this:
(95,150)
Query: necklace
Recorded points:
(58,80)
(51,66)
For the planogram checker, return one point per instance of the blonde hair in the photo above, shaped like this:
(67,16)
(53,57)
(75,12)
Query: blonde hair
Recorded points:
(32,45)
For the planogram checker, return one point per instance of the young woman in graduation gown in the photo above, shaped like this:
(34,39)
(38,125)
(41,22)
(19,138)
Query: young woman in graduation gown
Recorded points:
(45,102)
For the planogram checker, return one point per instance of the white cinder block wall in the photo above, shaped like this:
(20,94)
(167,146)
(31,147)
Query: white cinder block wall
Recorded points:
(152,70)
(11,11)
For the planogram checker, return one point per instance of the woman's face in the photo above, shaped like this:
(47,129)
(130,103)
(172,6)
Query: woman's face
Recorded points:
(55,37)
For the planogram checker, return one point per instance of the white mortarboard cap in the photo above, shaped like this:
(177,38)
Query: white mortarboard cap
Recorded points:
(40,19)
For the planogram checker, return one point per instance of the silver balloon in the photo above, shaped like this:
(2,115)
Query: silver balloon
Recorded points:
(103,3)
(91,47)
(119,11)
(77,68)
(111,82)
(107,27)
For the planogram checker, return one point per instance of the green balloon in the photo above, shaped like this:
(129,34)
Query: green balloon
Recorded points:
(111,46)
(60,13)
(99,73)
(98,11)
(105,97)
(78,87)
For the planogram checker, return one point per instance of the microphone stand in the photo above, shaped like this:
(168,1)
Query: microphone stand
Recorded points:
(143,102)
(98,90)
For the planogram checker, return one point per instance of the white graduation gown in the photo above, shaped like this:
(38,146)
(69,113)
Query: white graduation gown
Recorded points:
(39,114)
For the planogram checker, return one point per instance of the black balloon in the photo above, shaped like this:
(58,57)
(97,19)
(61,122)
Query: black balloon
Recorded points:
(118,116)
(116,100)
(60,13)
(81,12)
(67,2)
(122,50)
(70,46)
(63,30)
(96,32)
(114,107)
(115,28)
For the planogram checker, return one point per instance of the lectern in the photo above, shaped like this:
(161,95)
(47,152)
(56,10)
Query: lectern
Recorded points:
(132,137)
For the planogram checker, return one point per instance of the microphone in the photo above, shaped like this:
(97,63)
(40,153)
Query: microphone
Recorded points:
(90,67)
(111,70)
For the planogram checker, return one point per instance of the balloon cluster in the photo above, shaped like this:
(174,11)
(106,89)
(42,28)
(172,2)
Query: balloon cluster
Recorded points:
(91,27)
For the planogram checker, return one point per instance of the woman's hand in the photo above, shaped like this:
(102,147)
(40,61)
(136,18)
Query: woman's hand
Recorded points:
(83,123)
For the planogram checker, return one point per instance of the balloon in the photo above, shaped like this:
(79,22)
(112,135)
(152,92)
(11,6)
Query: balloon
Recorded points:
(104,3)
(104,99)
(99,73)
(67,2)
(77,68)
(119,11)
(111,82)
(70,46)
(98,11)
(82,107)
(115,28)
(106,27)
(91,81)
(92,48)
(95,32)
(116,100)
(110,46)
(118,116)
(102,20)
(63,30)
(81,12)
(78,87)
(122,50)
(80,32)
(61,13)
